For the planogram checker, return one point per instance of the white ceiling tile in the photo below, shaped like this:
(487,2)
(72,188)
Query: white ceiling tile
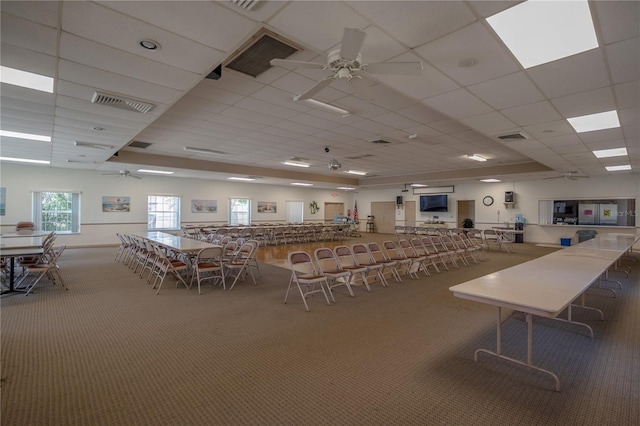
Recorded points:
(317,24)
(624,60)
(458,104)
(416,23)
(27,60)
(584,103)
(578,73)
(618,19)
(628,94)
(472,42)
(204,21)
(28,35)
(490,123)
(45,13)
(508,91)
(396,121)
(99,56)
(536,113)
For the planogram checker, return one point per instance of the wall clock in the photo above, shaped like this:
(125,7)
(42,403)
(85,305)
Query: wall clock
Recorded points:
(488,200)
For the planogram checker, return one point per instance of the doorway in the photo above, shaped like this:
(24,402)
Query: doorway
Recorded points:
(466,210)
(333,209)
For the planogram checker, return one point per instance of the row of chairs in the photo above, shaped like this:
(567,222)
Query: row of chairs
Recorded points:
(217,263)
(34,268)
(342,265)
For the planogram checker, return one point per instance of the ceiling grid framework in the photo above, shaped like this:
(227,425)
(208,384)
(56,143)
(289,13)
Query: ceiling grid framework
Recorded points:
(471,90)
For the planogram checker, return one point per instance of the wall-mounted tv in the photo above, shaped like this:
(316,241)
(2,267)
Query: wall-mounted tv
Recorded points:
(434,203)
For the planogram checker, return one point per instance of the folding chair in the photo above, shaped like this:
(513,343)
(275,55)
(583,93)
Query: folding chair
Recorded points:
(208,266)
(48,267)
(417,260)
(329,266)
(422,250)
(304,274)
(166,265)
(363,258)
(240,265)
(347,261)
(380,256)
(396,254)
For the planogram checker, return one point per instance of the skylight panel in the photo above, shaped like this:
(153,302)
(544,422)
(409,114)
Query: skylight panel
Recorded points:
(538,32)
(614,152)
(26,79)
(592,122)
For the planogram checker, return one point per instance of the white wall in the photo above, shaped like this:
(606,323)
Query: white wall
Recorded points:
(527,195)
(98,227)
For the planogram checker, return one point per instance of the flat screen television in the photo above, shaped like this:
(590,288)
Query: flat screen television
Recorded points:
(434,203)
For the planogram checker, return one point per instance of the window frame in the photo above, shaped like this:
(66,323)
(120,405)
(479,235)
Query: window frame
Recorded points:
(235,221)
(38,212)
(176,210)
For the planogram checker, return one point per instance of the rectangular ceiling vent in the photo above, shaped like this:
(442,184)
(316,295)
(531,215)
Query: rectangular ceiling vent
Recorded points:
(253,58)
(359,157)
(121,102)
(380,142)
(245,4)
(93,145)
(141,145)
(513,136)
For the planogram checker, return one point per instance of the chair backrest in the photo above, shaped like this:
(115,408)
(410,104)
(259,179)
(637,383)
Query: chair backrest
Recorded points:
(301,263)
(377,253)
(393,250)
(23,226)
(345,256)
(209,254)
(326,259)
(407,248)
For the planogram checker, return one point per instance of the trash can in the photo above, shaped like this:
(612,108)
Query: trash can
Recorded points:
(565,242)
(585,234)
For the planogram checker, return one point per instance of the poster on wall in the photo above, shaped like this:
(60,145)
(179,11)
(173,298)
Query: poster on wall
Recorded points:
(204,206)
(3,200)
(267,207)
(115,204)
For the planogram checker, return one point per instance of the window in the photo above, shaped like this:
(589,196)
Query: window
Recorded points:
(295,211)
(164,212)
(239,211)
(57,211)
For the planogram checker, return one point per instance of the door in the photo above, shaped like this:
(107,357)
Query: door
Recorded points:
(384,216)
(410,213)
(333,209)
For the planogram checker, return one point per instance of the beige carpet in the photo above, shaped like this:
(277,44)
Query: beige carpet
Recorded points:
(111,352)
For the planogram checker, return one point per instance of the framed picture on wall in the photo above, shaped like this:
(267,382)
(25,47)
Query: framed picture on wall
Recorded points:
(267,207)
(204,206)
(120,204)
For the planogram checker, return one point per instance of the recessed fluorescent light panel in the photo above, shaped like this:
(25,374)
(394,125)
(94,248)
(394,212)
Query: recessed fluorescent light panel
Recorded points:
(476,157)
(614,152)
(345,188)
(538,32)
(244,179)
(418,185)
(592,122)
(490,180)
(26,79)
(24,160)
(296,163)
(301,184)
(29,136)
(94,145)
(357,172)
(204,150)
(324,105)
(156,172)
(618,168)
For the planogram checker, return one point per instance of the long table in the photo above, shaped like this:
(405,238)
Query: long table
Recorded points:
(17,247)
(175,242)
(545,287)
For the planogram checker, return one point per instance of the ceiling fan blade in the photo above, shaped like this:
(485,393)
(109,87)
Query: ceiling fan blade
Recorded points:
(362,88)
(315,89)
(352,41)
(397,68)
(299,64)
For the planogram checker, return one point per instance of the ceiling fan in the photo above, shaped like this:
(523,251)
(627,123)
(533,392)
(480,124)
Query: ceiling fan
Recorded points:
(124,173)
(346,63)
(568,175)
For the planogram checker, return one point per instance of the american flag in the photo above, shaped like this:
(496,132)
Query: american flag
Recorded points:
(355,211)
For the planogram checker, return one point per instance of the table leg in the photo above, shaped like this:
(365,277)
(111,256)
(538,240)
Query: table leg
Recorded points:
(529,363)
(12,278)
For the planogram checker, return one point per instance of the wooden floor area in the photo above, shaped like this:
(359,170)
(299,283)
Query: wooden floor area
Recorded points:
(277,255)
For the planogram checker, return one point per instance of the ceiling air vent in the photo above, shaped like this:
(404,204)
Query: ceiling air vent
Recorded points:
(380,142)
(359,157)
(141,145)
(513,136)
(245,4)
(93,145)
(254,56)
(121,102)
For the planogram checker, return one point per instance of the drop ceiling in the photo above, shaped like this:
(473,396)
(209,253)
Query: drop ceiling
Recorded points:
(472,90)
